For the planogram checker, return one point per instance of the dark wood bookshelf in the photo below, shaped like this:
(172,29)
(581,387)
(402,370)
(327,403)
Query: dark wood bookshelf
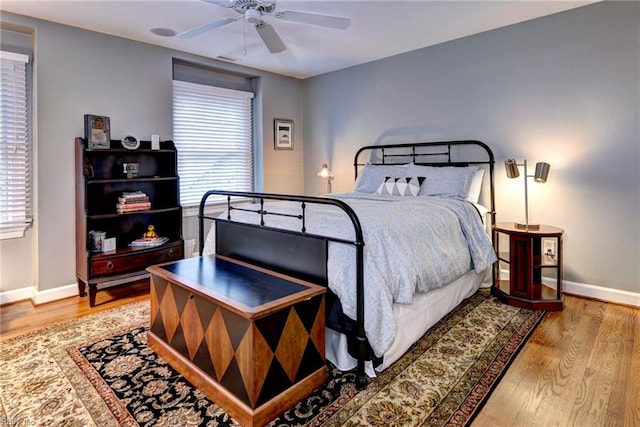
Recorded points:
(100,181)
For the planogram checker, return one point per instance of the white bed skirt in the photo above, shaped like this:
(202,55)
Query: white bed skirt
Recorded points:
(413,320)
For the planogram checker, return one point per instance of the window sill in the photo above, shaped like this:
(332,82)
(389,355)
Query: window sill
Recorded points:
(13,232)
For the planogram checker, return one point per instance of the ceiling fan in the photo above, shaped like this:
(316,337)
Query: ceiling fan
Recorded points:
(254,10)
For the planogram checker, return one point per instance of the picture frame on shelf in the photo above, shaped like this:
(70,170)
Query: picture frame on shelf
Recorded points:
(97,131)
(283,134)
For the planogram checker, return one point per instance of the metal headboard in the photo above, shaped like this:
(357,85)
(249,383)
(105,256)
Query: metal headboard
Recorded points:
(438,153)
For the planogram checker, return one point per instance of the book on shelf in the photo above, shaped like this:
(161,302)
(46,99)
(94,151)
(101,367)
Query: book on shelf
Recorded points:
(132,196)
(133,206)
(149,242)
(133,200)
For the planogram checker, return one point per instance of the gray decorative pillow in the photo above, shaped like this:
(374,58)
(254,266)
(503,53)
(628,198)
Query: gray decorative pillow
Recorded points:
(407,186)
(444,181)
(371,176)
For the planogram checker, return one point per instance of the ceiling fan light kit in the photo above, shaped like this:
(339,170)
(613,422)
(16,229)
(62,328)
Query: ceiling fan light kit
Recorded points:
(253,16)
(255,10)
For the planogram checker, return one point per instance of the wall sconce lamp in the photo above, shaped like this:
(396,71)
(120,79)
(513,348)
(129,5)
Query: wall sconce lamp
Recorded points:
(326,173)
(540,175)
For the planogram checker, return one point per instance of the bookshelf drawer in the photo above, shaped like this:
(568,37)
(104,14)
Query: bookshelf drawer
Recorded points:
(135,260)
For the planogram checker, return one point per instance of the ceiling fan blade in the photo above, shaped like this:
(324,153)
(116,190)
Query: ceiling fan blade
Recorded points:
(314,19)
(270,38)
(206,27)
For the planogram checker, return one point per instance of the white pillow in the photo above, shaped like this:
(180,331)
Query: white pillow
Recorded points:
(407,186)
(445,181)
(372,176)
(476,185)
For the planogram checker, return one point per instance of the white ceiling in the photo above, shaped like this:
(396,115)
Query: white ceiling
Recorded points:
(378,28)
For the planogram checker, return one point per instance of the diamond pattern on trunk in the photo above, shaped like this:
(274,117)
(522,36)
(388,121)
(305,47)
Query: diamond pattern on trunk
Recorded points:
(156,293)
(255,368)
(170,314)
(271,327)
(219,344)
(192,327)
(291,348)
(235,325)
(317,331)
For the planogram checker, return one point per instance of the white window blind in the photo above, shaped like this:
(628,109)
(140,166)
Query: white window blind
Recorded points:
(213,133)
(15,147)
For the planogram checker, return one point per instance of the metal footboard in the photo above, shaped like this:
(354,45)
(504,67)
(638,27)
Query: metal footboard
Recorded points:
(256,243)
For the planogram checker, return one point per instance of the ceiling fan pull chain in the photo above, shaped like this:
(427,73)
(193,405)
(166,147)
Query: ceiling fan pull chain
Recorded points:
(244,36)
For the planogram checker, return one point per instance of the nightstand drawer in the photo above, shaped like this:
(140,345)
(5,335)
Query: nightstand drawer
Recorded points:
(134,260)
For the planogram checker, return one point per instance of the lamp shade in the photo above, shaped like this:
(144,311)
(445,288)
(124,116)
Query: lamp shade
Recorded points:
(542,172)
(325,172)
(512,168)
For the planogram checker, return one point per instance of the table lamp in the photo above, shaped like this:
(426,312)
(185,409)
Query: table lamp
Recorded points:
(540,175)
(326,173)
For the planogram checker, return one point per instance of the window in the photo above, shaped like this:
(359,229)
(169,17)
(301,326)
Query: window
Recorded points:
(15,146)
(213,133)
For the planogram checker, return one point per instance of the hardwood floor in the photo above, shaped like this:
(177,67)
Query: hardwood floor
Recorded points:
(581,367)
(22,317)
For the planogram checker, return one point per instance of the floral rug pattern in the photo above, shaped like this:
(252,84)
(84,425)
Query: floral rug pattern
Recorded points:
(98,371)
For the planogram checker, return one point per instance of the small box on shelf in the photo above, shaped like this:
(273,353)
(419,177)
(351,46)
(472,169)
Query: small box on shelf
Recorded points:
(109,245)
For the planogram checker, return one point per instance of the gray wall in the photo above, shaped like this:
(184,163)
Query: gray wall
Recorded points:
(562,89)
(79,72)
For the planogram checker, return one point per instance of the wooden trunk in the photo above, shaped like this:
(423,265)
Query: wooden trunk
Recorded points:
(250,339)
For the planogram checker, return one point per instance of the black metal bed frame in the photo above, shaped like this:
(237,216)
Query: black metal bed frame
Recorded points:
(304,255)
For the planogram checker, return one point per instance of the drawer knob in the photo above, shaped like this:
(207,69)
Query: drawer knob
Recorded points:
(171,253)
(110,265)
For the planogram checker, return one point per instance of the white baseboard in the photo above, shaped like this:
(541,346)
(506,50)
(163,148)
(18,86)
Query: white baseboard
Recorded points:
(600,293)
(7,297)
(603,294)
(48,295)
(41,297)
(38,297)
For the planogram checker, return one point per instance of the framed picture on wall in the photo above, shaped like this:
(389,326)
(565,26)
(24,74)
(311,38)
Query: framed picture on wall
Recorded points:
(283,134)
(97,131)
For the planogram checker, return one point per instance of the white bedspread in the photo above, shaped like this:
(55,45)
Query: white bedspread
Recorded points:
(412,244)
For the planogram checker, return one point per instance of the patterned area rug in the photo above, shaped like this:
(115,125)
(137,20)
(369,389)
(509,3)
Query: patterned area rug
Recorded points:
(98,371)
